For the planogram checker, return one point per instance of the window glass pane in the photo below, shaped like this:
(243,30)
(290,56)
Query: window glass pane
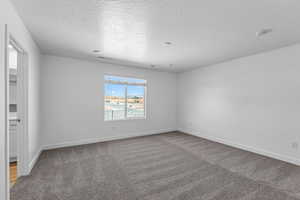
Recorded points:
(114,101)
(135,101)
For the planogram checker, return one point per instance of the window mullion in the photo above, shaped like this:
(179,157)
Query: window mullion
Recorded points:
(144,97)
(126,102)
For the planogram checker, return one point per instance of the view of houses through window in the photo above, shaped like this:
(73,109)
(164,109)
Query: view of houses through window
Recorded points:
(124,98)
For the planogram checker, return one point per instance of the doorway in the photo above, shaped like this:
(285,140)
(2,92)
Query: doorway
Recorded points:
(13,112)
(16,111)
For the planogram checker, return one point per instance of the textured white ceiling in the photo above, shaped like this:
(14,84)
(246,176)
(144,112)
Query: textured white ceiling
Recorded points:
(134,32)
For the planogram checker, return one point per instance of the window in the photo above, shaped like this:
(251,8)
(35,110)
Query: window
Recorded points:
(124,98)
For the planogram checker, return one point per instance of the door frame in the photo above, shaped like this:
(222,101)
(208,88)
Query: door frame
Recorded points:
(22,108)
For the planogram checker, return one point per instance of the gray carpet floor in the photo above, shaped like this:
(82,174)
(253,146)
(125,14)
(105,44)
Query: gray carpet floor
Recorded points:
(172,166)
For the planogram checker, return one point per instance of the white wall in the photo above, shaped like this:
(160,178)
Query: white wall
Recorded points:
(251,102)
(9,16)
(72,102)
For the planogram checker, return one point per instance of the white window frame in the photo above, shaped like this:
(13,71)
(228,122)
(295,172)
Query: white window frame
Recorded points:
(126,84)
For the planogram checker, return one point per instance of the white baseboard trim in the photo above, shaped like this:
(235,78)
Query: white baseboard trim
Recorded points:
(34,160)
(104,139)
(263,152)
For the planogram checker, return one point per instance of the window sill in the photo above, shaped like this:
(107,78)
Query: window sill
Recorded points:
(127,119)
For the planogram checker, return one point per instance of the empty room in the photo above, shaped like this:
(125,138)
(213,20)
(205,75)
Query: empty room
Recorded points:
(149,100)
